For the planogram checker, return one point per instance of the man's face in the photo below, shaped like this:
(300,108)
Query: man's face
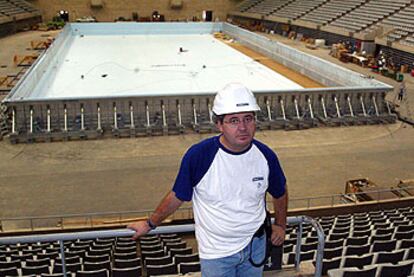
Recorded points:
(238,131)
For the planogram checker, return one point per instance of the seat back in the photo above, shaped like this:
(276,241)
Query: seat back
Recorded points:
(154,270)
(35,270)
(127,272)
(93,273)
(359,262)
(127,263)
(399,270)
(184,268)
(361,273)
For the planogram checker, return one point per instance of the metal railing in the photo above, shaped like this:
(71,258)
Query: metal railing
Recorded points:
(90,220)
(299,220)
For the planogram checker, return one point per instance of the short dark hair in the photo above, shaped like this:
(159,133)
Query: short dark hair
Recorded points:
(218,118)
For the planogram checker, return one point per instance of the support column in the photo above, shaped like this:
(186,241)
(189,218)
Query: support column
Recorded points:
(48,119)
(282,107)
(115,118)
(82,118)
(210,112)
(131,114)
(180,121)
(269,111)
(296,108)
(31,120)
(164,117)
(338,112)
(195,113)
(375,105)
(147,113)
(13,120)
(363,106)
(310,107)
(99,117)
(325,114)
(65,119)
(350,106)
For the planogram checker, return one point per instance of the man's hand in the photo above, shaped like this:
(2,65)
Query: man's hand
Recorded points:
(140,228)
(278,235)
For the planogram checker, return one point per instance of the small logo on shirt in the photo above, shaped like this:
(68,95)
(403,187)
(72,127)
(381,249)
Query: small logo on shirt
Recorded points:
(258,181)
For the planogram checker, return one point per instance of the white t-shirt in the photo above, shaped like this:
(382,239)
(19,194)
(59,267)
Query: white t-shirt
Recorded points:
(228,192)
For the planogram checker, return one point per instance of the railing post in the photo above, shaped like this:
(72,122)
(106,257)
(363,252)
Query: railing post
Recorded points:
(62,255)
(298,246)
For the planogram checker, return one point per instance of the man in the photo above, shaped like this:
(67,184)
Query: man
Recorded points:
(227,177)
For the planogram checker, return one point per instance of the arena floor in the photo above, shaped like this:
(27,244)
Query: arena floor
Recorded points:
(133,174)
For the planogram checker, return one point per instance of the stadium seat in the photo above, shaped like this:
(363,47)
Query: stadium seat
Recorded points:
(155,270)
(126,249)
(69,260)
(93,273)
(75,267)
(182,251)
(401,269)
(88,266)
(405,243)
(50,255)
(158,260)
(187,267)
(362,233)
(358,250)
(329,244)
(178,258)
(151,247)
(100,252)
(332,253)
(21,258)
(389,257)
(352,272)
(35,270)
(156,253)
(168,236)
(399,235)
(38,262)
(11,271)
(96,259)
(124,256)
(169,245)
(10,264)
(126,244)
(127,263)
(357,261)
(381,246)
(356,241)
(127,272)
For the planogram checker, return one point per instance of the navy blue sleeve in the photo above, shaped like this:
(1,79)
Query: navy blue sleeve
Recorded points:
(194,165)
(277,179)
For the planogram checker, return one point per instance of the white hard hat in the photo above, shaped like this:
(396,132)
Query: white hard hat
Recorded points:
(234,98)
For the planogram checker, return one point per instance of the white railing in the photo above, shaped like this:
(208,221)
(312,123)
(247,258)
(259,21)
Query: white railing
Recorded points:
(61,237)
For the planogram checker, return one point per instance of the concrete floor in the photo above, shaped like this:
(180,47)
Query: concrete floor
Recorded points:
(133,174)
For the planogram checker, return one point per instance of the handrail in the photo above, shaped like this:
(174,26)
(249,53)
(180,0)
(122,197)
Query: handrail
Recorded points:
(161,230)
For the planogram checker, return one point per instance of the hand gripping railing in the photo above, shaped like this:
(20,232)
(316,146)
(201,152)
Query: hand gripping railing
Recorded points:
(163,230)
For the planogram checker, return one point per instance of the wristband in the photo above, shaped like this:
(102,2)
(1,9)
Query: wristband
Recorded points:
(150,224)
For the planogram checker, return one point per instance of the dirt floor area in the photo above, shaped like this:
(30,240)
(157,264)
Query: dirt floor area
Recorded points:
(115,175)
(295,76)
